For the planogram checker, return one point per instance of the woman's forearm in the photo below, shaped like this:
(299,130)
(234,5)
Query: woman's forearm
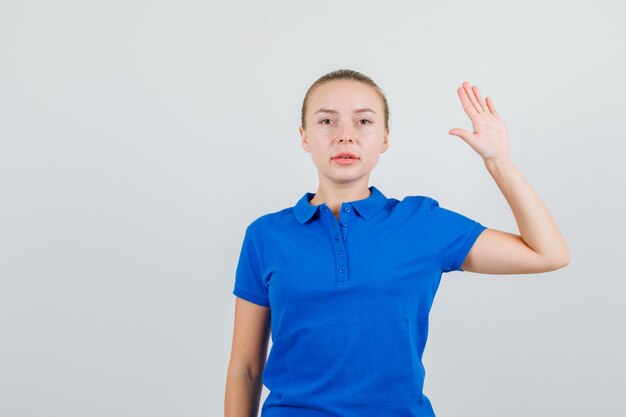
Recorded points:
(243,394)
(537,227)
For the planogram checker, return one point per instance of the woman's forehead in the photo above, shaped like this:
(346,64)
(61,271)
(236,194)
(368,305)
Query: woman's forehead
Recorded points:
(345,95)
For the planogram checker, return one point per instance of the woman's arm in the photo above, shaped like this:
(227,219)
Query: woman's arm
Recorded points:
(247,359)
(540,247)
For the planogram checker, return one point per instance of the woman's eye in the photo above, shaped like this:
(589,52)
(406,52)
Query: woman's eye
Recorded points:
(323,121)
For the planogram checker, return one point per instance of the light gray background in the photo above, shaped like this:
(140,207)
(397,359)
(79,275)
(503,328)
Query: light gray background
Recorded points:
(139,138)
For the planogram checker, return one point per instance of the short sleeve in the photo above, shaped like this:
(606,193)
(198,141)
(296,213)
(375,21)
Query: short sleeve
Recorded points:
(249,277)
(453,233)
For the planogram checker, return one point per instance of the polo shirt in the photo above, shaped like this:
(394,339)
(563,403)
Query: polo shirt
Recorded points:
(350,299)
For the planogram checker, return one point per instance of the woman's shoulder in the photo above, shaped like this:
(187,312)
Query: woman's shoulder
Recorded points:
(270,219)
(416,201)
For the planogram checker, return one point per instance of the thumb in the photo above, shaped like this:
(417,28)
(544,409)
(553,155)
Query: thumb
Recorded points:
(462,133)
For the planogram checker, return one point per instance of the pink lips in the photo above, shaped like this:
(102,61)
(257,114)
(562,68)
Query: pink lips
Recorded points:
(345,158)
(345,161)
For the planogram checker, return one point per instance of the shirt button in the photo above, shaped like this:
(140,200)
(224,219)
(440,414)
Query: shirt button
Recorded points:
(342,269)
(340,254)
(343,238)
(344,223)
(347,209)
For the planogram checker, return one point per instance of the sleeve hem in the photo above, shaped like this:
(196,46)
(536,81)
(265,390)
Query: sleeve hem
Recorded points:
(467,246)
(251,297)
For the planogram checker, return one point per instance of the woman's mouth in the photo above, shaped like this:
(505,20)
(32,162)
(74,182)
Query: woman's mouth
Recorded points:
(345,160)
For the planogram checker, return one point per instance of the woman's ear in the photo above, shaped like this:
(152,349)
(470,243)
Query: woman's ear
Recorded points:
(385,144)
(305,143)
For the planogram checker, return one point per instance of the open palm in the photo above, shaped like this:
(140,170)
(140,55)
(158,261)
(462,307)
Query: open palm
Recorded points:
(489,136)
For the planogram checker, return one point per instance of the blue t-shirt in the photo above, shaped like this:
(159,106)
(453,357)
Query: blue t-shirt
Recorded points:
(350,300)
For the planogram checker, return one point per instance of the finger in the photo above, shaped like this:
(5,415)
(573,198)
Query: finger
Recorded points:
(483,105)
(467,104)
(468,90)
(462,133)
(492,107)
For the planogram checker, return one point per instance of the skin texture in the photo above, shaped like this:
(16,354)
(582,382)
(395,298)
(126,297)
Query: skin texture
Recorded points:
(247,359)
(539,246)
(327,134)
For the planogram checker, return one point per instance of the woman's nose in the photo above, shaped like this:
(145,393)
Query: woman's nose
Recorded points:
(345,134)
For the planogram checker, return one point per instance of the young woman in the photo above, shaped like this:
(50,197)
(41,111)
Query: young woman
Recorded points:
(344,280)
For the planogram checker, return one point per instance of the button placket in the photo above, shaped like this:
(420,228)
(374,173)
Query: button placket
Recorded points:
(345,221)
(339,250)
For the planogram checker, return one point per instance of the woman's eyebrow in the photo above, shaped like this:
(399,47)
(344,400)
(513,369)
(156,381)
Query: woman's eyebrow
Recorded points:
(362,110)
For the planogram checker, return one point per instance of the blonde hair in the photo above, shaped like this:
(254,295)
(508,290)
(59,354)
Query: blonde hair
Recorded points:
(345,74)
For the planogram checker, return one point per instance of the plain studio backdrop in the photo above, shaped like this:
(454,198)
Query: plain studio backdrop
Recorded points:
(140,138)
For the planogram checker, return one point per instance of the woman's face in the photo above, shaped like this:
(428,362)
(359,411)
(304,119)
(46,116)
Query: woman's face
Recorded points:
(344,116)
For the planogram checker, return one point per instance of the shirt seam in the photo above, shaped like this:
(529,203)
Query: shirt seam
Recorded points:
(261,262)
(246,295)
(472,236)
(432,236)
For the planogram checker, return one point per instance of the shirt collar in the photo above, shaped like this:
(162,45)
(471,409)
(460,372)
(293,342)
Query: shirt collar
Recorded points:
(366,207)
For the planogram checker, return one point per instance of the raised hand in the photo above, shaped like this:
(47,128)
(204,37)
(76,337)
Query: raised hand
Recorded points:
(489,137)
